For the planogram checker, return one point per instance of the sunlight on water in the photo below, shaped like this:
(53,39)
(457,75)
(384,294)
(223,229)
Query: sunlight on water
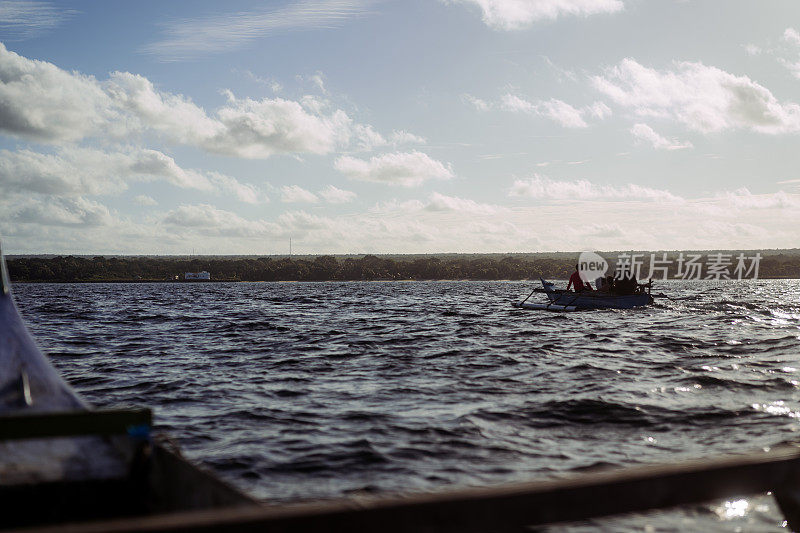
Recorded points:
(733,509)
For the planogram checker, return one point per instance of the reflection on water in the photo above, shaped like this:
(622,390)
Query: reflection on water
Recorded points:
(315,390)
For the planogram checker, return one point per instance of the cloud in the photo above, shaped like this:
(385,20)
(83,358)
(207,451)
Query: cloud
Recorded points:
(643,132)
(562,113)
(210,220)
(752,50)
(366,138)
(272,84)
(260,128)
(520,14)
(702,98)
(437,223)
(192,38)
(146,109)
(144,200)
(404,137)
(440,202)
(743,199)
(512,102)
(556,110)
(540,187)
(41,102)
(244,192)
(409,169)
(73,171)
(296,194)
(598,110)
(247,128)
(72,212)
(477,103)
(334,195)
(21,20)
(791,36)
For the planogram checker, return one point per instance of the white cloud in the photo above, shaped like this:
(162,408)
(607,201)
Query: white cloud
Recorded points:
(272,84)
(404,137)
(704,99)
(519,14)
(209,220)
(408,169)
(78,171)
(42,102)
(512,102)
(752,50)
(73,171)
(366,138)
(791,36)
(23,19)
(437,224)
(261,128)
(318,79)
(38,100)
(334,195)
(540,187)
(71,212)
(643,132)
(440,202)
(562,113)
(297,194)
(743,199)
(192,38)
(561,73)
(244,192)
(791,66)
(556,110)
(172,115)
(599,110)
(477,103)
(144,200)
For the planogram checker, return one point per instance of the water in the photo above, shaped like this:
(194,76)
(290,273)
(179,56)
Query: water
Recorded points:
(317,390)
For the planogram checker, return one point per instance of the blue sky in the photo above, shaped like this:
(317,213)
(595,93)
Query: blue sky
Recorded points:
(367,126)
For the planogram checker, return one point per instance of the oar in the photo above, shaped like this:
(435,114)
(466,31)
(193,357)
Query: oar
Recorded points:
(531,294)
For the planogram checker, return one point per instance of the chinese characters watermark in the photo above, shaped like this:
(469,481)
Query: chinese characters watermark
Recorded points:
(687,266)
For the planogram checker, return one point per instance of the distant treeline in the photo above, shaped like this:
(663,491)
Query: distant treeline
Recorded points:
(328,268)
(322,268)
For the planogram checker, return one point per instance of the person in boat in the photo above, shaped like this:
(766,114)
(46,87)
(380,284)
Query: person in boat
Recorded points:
(626,285)
(605,284)
(576,281)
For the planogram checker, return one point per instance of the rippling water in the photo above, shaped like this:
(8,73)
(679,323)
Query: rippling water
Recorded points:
(317,390)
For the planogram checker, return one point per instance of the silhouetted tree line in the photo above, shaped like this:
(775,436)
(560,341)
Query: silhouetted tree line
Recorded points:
(323,268)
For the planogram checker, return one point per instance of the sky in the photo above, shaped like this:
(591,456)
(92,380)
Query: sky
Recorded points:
(414,126)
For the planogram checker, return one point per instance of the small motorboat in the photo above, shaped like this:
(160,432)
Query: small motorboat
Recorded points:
(564,300)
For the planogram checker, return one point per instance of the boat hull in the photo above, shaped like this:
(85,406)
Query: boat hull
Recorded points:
(597,301)
(563,300)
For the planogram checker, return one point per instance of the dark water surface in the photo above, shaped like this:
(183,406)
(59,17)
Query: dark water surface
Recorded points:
(316,390)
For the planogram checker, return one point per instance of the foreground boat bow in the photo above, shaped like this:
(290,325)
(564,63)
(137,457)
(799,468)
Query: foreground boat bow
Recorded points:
(61,460)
